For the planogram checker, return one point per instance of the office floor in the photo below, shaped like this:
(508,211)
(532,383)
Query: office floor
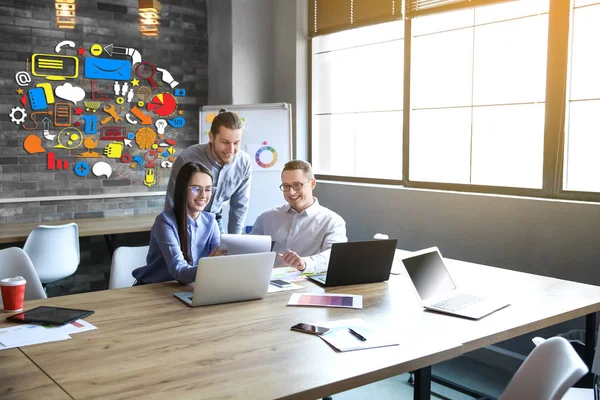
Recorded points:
(469,373)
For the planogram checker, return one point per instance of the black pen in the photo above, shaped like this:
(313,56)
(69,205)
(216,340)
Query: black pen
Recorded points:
(358,335)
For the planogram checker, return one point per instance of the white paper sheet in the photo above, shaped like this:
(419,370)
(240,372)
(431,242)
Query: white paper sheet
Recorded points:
(74,327)
(289,274)
(25,335)
(342,339)
(275,289)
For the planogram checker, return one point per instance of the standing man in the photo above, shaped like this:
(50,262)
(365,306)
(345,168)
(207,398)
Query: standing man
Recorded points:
(303,230)
(231,169)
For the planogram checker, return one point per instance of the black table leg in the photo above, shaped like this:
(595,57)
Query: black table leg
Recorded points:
(109,239)
(422,388)
(590,339)
(590,344)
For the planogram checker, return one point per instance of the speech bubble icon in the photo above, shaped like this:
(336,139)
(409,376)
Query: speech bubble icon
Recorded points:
(70,92)
(102,169)
(138,160)
(33,145)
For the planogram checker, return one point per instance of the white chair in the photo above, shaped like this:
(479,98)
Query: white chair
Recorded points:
(15,262)
(54,251)
(124,261)
(547,373)
(583,393)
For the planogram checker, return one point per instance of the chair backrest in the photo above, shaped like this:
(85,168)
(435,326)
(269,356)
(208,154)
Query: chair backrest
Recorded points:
(547,373)
(54,251)
(124,261)
(15,262)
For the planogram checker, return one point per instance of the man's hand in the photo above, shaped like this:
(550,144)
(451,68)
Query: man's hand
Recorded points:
(217,252)
(292,259)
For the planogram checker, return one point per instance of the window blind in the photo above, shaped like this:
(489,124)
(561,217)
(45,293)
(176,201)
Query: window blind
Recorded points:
(328,16)
(415,8)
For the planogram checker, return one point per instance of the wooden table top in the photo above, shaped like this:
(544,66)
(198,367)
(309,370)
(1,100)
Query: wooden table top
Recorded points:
(22,379)
(536,302)
(87,227)
(149,344)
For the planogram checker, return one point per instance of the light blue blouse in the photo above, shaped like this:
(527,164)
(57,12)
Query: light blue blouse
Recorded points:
(165,260)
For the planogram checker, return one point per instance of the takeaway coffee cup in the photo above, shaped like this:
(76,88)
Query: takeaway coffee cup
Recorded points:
(13,293)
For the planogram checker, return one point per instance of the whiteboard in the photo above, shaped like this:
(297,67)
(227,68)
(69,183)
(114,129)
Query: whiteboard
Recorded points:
(267,139)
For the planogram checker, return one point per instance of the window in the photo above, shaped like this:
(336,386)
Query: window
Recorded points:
(501,97)
(582,128)
(477,95)
(357,93)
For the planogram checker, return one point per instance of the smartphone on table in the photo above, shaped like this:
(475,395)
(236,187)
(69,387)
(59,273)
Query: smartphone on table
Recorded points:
(280,283)
(313,329)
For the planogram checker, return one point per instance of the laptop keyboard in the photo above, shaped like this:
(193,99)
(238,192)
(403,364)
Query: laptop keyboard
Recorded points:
(457,302)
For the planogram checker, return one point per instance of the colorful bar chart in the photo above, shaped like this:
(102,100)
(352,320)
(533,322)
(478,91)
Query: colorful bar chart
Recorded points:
(326,300)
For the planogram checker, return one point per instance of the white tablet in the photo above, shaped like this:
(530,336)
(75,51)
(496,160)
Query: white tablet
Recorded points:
(245,244)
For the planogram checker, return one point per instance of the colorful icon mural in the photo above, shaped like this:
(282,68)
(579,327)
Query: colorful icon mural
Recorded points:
(104,104)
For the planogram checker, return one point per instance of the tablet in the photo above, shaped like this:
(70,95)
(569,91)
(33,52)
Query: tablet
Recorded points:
(50,315)
(245,244)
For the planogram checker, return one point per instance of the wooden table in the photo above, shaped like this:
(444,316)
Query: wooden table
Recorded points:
(150,345)
(11,233)
(22,379)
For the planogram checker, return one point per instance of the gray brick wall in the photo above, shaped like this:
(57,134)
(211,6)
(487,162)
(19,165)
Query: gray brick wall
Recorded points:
(27,27)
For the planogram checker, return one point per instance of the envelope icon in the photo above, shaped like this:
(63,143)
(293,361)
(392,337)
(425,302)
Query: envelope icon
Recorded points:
(107,68)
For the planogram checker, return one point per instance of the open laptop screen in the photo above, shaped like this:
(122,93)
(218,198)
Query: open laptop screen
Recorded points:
(428,274)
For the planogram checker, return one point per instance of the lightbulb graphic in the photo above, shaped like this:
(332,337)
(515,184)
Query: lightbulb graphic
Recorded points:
(161,124)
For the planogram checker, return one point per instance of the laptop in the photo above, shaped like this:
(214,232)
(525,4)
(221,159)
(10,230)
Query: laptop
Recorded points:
(245,244)
(354,263)
(227,279)
(436,291)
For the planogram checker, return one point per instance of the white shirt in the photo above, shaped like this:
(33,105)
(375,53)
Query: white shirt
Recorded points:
(309,233)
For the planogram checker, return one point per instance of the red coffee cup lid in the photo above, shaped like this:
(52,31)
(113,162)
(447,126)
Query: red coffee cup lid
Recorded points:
(15,281)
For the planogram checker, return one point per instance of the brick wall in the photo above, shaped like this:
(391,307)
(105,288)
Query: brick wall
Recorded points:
(28,27)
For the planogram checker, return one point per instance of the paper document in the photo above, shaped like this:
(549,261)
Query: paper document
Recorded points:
(245,244)
(343,339)
(74,327)
(275,289)
(397,266)
(26,335)
(288,274)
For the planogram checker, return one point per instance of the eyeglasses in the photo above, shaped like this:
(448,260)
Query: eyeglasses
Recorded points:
(199,189)
(297,186)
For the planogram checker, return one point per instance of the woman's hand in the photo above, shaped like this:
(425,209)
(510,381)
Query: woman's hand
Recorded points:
(216,252)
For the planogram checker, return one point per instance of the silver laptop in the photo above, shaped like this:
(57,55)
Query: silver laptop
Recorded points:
(436,291)
(227,279)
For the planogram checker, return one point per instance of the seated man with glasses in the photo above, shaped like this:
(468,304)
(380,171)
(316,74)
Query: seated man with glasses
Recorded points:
(303,230)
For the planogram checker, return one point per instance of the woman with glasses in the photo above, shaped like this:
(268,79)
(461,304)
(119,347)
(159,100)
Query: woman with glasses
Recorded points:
(183,234)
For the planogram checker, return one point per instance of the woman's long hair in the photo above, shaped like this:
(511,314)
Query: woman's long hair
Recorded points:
(180,203)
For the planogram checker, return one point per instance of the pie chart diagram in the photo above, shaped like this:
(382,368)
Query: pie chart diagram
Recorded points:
(262,157)
(163,104)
